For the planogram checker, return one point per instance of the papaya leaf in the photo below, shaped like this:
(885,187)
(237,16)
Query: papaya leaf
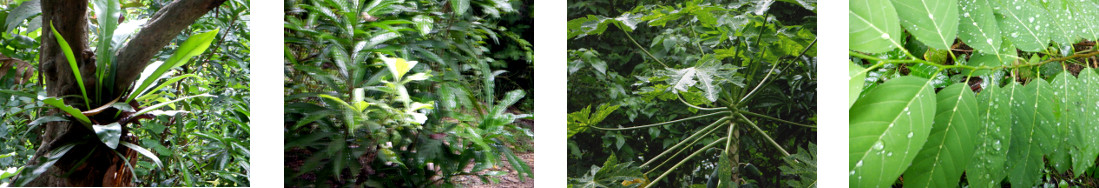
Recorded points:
(888,127)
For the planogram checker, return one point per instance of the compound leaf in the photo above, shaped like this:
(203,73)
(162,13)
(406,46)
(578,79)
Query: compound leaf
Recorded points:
(949,147)
(933,22)
(888,127)
(874,26)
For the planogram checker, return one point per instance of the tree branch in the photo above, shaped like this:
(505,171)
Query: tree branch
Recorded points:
(161,29)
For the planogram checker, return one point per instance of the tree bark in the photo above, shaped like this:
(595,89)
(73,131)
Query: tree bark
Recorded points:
(101,166)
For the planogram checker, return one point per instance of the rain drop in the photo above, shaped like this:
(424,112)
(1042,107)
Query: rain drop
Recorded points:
(885,35)
(879,145)
(852,172)
(966,15)
(890,154)
(1031,19)
(909,134)
(857,165)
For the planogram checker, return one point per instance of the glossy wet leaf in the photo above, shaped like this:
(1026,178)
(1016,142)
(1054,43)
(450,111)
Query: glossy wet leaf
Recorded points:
(857,80)
(1082,106)
(950,145)
(874,26)
(193,46)
(1024,23)
(889,125)
(977,27)
(143,151)
(933,22)
(1028,132)
(109,134)
(993,138)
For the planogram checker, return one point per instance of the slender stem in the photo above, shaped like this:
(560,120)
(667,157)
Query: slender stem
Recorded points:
(769,139)
(681,150)
(695,107)
(662,123)
(692,137)
(669,171)
(776,119)
(639,47)
(1073,56)
(760,82)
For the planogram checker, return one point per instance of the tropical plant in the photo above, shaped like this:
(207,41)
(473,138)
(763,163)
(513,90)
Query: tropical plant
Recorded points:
(94,102)
(970,92)
(403,93)
(696,88)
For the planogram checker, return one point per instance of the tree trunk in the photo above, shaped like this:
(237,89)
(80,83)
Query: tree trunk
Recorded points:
(90,162)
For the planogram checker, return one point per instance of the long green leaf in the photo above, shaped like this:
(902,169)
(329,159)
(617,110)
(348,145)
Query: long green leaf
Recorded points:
(154,107)
(107,12)
(949,147)
(72,64)
(1086,105)
(874,26)
(60,104)
(143,151)
(459,6)
(994,114)
(1065,105)
(1028,133)
(933,22)
(166,83)
(190,48)
(52,158)
(888,127)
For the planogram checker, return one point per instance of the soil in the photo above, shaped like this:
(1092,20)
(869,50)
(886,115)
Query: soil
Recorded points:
(509,180)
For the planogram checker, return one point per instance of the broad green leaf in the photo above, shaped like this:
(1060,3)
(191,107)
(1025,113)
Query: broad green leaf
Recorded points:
(109,134)
(950,145)
(874,26)
(17,15)
(889,125)
(977,27)
(459,6)
(72,64)
(933,22)
(398,66)
(192,47)
(1083,16)
(423,24)
(1022,22)
(60,104)
(993,138)
(857,80)
(1004,56)
(1065,104)
(143,151)
(1085,104)
(1063,26)
(1029,132)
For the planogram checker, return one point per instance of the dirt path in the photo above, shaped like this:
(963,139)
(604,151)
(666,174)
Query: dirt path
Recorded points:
(507,181)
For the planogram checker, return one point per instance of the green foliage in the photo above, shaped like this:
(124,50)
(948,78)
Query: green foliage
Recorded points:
(1006,76)
(404,93)
(663,65)
(177,127)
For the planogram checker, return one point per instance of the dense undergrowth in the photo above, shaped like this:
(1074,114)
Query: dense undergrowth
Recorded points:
(406,93)
(692,94)
(973,93)
(189,127)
